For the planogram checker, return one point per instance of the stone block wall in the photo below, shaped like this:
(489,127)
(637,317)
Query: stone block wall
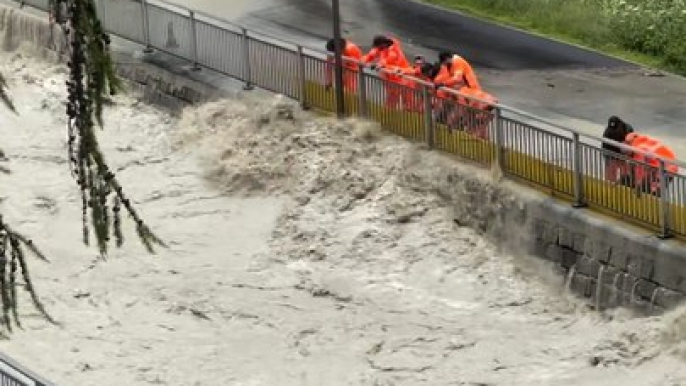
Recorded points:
(606,261)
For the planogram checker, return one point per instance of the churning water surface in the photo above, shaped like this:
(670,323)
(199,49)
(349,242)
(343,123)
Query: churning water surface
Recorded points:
(303,251)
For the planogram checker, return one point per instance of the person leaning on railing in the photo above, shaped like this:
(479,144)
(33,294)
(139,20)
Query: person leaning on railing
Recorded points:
(616,168)
(352,55)
(473,111)
(425,72)
(387,54)
(646,174)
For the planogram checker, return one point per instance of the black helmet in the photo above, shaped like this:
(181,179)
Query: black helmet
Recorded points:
(331,44)
(444,55)
(429,70)
(380,41)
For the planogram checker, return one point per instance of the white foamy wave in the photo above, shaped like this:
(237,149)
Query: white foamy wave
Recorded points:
(331,258)
(375,213)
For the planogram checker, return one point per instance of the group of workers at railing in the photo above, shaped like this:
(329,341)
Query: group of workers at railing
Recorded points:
(457,97)
(459,101)
(644,170)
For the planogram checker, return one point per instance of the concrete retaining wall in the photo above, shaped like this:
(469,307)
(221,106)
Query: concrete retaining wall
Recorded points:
(609,262)
(605,261)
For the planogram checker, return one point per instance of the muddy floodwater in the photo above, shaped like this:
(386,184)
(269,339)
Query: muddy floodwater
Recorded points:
(302,251)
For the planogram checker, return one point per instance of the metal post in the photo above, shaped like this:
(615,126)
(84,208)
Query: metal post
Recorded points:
(579,201)
(428,116)
(146,27)
(194,41)
(498,140)
(664,203)
(247,77)
(301,78)
(362,90)
(338,59)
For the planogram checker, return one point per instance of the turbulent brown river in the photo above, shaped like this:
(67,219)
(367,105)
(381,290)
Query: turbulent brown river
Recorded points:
(303,251)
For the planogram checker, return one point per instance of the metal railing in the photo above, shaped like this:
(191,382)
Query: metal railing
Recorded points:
(558,160)
(13,374)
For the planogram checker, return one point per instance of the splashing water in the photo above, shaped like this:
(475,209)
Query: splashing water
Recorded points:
(304,251)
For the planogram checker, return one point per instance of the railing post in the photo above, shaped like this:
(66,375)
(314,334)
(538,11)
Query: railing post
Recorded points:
(146,27)
(665,232)
(247,77)
(301,78)
(579,201)
(498,139)
(428,116)
(362,92)
(194,41)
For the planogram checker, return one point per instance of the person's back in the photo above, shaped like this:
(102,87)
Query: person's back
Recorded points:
(459,71)
(460,65)
(477,98)
(653,147)
(387,52)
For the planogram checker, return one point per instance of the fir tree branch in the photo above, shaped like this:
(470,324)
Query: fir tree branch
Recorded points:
(4,97)
(91,79)
(12,263)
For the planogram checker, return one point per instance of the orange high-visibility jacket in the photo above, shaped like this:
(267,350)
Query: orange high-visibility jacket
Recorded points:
(460,71)
(392,57)
(653,146)
(352,55)
(485,100)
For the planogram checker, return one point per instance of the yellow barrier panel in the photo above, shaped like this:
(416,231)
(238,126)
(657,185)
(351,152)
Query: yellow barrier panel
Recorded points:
(617,201)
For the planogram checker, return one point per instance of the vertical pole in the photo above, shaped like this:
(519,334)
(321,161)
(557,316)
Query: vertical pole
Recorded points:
(338,62)
(194,41)
(362,90)
(301,78)
(664,203)
(146,27)
(246,60)
(578,176)
(428,116)
(498,141)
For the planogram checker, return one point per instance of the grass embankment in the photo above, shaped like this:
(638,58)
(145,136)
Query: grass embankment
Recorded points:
(650,32)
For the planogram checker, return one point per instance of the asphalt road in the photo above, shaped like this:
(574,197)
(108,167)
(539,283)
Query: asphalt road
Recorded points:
(430,29)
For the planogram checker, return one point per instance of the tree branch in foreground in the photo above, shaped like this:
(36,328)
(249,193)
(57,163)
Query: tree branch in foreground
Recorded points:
(91,78)
(12,264)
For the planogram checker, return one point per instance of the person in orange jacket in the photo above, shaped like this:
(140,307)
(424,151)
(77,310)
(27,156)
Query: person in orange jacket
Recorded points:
(616,167)
(457,72)
(423,71)
(474,105)
(352,57)
(646,174)
(477,108)
(387,54)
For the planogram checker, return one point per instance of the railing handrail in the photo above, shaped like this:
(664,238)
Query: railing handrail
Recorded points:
(25,373)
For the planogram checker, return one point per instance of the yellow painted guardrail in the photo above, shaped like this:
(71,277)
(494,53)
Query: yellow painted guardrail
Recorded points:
(620,202)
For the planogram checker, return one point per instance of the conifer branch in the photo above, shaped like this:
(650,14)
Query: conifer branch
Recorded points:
(12,265)
(4,97)
(91,79)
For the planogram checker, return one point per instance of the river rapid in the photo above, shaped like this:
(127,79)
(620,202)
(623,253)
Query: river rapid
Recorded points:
(302,251)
